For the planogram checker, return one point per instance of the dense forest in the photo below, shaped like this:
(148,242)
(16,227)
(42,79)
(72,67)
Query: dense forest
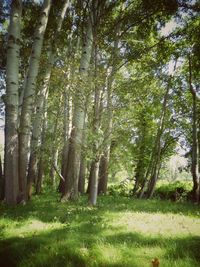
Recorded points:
(101,116)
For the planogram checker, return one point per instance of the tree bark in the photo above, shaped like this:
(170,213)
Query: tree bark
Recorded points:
(41,162)
(11,105)
(67,127)
(157,148)
(103,171)
(2,182)
(40,99)
(83,164)
(82,174)
(195,152)
(74,154)
(29,93)
(140,167)
(54,154)
(103,178)
(53,165)
(37,128)
(94,172)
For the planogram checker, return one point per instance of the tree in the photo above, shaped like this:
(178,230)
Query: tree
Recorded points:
(11,118)
(74,152)
(195,148)
(41,98)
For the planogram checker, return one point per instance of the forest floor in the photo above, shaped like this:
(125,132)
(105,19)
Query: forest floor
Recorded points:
(119,232)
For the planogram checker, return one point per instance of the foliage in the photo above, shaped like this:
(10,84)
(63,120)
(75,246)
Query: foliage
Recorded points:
(121,189)
(176,191)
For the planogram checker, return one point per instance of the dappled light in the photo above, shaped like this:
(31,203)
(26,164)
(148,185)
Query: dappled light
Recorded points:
(99,133)
(78,235)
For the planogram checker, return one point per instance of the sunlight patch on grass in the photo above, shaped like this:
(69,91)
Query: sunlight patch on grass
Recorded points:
(168,225)
(28,228)
(118,232)
(109,253)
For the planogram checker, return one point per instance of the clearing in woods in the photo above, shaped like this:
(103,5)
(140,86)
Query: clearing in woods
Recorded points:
(118,232)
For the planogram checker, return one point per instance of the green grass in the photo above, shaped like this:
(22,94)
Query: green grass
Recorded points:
(118,232)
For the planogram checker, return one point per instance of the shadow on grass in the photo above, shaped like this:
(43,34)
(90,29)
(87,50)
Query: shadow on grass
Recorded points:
(182,247)
(82,230)
(75,248)
(47,208)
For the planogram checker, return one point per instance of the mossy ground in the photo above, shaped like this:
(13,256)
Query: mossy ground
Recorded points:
(120,232)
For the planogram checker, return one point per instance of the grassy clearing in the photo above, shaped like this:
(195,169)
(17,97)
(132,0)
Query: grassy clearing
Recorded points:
(119,232)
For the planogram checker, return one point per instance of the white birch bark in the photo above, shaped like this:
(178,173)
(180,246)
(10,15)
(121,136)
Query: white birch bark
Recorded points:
(94,182)
(29,93)
(12,98)
(103,179)
(74,154)
(40,99)
(94,171)
(67,127)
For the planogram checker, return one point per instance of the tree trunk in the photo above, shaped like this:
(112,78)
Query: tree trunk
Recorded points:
(29,93)
(11,105)
(37,128)
(2,182)
(74,155)
(145,181)
(94,182)
(195,152)
(54,154)
(103,178)
(53,166)
(83,164)
(67,127)
(82,174)
(103,172)
(41,163)
(157,148)
(42,97)
(38,188)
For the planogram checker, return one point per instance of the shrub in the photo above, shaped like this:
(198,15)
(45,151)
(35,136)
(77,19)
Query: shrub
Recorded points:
(175,191)
(121,189)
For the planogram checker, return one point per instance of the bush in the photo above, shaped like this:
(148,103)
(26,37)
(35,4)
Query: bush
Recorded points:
(121,189)
(173,191)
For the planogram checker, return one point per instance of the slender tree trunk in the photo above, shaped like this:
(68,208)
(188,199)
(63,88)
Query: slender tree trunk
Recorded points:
(94,182)
(53,166)
(195,152)
(94,171)
(103,178)
(41,161)
(2,182)
(157,149)
(82,174)
(74,155)
(11,105)
(67,127)
(29,93)
(40,99)
(103,171)
(140,167)
(145,181)
(54,154)
(83,164)
(37,128)
(41,167)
